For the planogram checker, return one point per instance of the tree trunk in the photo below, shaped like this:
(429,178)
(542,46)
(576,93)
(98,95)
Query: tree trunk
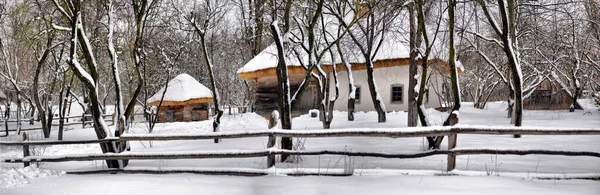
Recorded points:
(258,22)
(509,39)
(283,89)
(412,69)
(213,85)
(375,97)
(424,67)
(63,107)
(90,81)
(453,71)
(119,116)
(38,102)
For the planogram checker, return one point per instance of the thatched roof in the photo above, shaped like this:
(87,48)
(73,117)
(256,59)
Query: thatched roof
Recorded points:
(267,59)
(297,69)
(393,52)
(182,90)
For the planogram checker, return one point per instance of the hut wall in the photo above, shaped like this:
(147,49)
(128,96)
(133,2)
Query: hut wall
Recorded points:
(266,95)
(196,112)
(170,114)
(547,97)
(385,79)
(547,100)
(184,113)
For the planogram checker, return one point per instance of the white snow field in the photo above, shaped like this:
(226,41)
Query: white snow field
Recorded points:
(474,174)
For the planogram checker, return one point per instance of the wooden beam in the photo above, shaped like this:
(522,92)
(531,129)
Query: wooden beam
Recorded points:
(55,142)
(523,130)
(26,151)
(232,172)
(271,145)
(263,153)
(215,154)
(392,133)
(525,152)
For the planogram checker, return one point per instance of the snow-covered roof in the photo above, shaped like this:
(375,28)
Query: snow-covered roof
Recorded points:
(395,46)
(391,48)
(182,88)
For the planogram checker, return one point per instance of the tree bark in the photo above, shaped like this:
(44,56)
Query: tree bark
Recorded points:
(377,102)
(42,111)
(351,87)
(213,85)
(283,89)
(90,79)
(63,107)
(414,43)
(424,67)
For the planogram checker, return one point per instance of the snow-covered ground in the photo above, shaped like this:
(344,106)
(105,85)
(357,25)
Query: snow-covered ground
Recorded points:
(372,175)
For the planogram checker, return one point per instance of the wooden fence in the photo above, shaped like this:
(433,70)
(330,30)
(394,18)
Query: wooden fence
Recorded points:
(83,122)
(270,153)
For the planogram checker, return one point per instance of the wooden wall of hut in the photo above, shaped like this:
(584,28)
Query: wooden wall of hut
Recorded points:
(547,96)
(183,113)
(266,95)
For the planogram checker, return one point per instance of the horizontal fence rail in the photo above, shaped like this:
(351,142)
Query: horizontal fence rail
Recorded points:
(83,123)
(12,120)
(392,133)
(53,142)
(271,151)
(263,153)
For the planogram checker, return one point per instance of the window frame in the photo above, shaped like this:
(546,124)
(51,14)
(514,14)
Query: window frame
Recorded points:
(357,101)
(392,93)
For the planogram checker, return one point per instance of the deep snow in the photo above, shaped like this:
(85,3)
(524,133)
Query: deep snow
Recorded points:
(377,174)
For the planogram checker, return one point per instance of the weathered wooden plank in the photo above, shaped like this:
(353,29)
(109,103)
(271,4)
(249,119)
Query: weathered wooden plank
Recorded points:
(271,145)
(55,142)
(232,172)
(26,151)
(142,156)
(523,130)
(524,152)
(392,133)
(262,153)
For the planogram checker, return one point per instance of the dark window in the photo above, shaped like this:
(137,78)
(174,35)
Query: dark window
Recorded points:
(357,94)
(397,93)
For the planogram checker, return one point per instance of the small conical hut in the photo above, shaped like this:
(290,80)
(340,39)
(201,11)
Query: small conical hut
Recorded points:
(185,100)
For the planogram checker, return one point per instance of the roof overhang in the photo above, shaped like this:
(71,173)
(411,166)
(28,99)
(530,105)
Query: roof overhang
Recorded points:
(296,69)
(181,103)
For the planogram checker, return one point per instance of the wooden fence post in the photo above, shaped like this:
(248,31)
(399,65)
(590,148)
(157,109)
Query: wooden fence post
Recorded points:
(26,152)
(83,120)
(6,126)
(271,157)
(452,143)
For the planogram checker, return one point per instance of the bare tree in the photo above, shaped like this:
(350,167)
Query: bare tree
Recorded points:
(204,19)
(90,77)
(415,44)
(508,11)
(316,47)
(375,18)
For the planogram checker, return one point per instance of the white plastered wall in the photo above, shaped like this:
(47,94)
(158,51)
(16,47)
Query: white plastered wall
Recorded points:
(384,79)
